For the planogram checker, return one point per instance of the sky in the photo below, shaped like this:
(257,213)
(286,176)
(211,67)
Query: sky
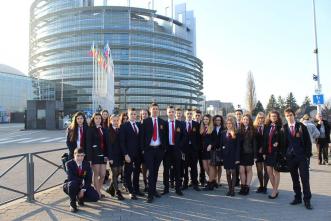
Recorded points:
(274,39)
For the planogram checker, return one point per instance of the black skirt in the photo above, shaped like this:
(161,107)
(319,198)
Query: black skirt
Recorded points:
(246,159)
(98,160)
(271,159)
(259,158)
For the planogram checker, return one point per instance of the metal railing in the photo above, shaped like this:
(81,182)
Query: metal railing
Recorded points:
(30,174)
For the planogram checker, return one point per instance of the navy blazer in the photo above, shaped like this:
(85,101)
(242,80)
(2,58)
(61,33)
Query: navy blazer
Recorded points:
(230,148)
(72,145)
(278,137)
(73,175)
(93,143)
(115,152)
(180,135)
(301,132)
(147,133)
(129,140)
(217,138)
(193,136)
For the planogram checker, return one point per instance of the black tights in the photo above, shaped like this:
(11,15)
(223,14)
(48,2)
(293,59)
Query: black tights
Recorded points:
(262,174)
(231,178)
(115,173)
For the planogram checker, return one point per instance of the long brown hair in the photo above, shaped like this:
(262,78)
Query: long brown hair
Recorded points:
(279,119)
(73,128)
(233,121)
(210,125)
(250,129)
(122,116)
(92,123)
(256,121)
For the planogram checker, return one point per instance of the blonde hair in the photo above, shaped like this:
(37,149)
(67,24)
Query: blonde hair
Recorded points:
(210,125)
(256,121)
(233,121)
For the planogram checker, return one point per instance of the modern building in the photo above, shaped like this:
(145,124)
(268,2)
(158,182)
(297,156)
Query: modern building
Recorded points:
(154,55)
(15,90)
(217,107)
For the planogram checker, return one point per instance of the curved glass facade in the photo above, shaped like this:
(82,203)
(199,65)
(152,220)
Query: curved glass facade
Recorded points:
(154,56)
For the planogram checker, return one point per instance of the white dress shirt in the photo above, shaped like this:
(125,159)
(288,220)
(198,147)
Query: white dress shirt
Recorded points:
(158,141)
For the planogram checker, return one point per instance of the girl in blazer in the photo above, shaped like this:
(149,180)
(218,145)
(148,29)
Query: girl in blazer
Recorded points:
(218,128)
(76,134)
(116,158)
(230,144)
(97,150)
(273,144)
(206,131)
(247,153)
(259,125)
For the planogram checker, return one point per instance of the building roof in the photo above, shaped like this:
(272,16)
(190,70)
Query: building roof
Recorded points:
(10,70)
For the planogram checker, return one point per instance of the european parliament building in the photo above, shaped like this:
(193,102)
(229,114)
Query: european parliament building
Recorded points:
(154,55)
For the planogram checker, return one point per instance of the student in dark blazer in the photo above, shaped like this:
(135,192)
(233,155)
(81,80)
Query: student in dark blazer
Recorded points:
(105,116)
(197,117)
(298,151)
(131,149)
(144,114)
(247,153)
(116,158)
(98,146)
(273,142)
(154,143)
(218,128)
(230,144)
(323,140)
(206,132)
(78,183)
(261,168)
(191,150)
(76,133)
(176,136)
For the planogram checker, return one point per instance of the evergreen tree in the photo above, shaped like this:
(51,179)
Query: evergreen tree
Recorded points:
(291,102)
(258,108)
(306,106)
(281,105)
(272,104)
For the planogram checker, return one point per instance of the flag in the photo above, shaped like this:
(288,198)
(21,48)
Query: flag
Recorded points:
(106,51)
(91,51)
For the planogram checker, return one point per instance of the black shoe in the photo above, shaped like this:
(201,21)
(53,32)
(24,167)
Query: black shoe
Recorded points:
(165,191)
(80,201)
(260,190)
(246,190)
(146,189)
(207,187)
(215,185)
(273,197)
(242,190)
(308,205)
(196,188)
(157,195)
(296,201)
(172,185)
(179,193)
(185,187)
(111,190)
(73,207)
(133,197)
(138,193)
(190,185)
(149,199)
(119,195)
(228,193)
(265,190)
(232,194)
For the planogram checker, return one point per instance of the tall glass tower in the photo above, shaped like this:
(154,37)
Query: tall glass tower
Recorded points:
(154,55)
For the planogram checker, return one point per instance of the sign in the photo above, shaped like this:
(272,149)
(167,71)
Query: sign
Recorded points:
(318,99)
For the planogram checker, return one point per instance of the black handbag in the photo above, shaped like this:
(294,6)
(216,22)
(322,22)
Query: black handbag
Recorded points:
(215,157)
(281,164)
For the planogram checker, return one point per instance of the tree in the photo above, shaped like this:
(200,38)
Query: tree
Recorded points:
(251,94)
(258,108)
(281,105)
(272,104)
(306,106)
(291,102)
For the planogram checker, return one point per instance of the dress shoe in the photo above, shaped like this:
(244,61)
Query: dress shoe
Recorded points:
(179,193)
(228,193)
(265,190)
(242,190)
(119,195)
(273,197)
(149,199)
(259,190)
(165,191)
(73,207)
(172,185)
(196,188)
(133,197)
(80,201)
(308,205)
(157,195)
(111,190)
(185,187)
(296,201)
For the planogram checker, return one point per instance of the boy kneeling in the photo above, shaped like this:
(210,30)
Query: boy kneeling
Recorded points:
(78,184)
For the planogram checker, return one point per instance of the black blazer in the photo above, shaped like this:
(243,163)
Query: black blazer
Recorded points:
(93,143)
(327,132)
(72,145)
(180,135)
(248,143)
(277,137)
(115,152)
(193,136)
(217,138)
(73,175)
(207,139)
(259,139)
(302,131)
(147,133)
(129,140)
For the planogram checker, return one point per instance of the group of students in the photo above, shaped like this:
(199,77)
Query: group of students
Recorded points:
(182,143)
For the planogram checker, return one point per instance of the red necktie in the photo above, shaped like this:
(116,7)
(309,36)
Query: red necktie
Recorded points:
(155,130)
(292,131)
(271,134)
(189,127)
(206,130)
(173,132)
(260,130)
(79,170)
(134,128)
(81,141)
(101,139)
(229,135)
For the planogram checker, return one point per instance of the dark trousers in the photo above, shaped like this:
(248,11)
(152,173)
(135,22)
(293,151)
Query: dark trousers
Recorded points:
(72,189)
(172,157)
(323,151)
(132,183)
(172,174)
(153,158)
(299,165)
(192,162)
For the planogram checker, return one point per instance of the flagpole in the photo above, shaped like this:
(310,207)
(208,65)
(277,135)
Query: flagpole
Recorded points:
(61,84)
(93,79)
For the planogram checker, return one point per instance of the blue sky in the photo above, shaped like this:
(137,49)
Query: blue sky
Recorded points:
(271,38)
